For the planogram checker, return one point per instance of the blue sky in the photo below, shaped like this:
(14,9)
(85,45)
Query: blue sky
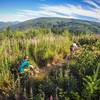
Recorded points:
(21,10)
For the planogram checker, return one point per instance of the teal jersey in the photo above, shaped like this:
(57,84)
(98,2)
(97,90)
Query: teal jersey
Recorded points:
(24,64)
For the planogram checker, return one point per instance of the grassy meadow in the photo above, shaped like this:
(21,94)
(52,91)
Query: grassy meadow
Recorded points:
(80,80)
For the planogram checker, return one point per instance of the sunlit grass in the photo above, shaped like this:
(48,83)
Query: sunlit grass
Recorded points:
(42,46)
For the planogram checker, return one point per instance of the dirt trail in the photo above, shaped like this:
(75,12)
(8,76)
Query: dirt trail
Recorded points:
(43,72)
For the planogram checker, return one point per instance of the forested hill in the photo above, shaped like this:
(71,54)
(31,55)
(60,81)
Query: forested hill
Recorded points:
(55,23)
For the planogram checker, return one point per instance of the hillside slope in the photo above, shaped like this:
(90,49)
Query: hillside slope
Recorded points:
(73,25)
(55,23)
(6,24)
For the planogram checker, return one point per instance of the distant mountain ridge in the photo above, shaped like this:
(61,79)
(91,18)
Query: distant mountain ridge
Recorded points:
(6,24)
(72,25)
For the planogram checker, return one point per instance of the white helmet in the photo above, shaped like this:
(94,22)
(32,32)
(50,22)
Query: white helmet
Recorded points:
(74,45)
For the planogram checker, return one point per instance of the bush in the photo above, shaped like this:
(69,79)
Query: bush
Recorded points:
(85,62)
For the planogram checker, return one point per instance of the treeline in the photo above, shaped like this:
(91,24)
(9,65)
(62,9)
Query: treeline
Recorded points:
(31,32)
(58,24)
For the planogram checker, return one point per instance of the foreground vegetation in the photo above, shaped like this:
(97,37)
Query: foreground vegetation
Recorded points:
(78,80)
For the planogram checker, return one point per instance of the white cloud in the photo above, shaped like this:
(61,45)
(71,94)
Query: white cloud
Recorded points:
(93,3)
(65,11)
(73,10)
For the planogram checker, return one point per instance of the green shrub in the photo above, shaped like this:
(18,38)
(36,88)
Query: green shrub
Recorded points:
(92,83)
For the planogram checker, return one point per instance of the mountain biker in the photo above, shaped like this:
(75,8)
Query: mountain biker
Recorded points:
(73,47)
(24,65)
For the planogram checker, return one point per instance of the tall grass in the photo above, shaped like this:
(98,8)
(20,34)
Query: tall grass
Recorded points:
(39,48)
(46,47)
(42,50)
